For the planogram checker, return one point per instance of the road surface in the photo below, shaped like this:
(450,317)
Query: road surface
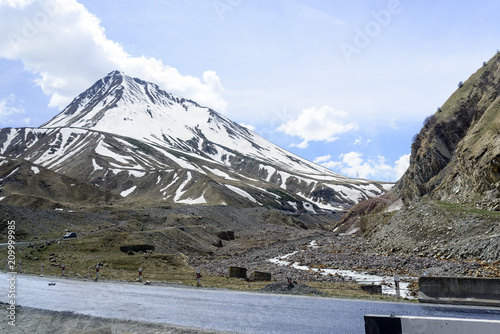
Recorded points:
(216,309)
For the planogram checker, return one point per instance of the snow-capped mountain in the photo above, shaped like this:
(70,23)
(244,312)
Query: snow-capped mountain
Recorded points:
(137,141)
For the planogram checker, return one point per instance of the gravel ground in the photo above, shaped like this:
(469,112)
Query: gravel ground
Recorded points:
(36,321)
(344,252)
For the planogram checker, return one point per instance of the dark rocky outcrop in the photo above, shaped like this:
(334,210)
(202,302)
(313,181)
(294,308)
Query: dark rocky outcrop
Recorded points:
(226,235)
(137,248)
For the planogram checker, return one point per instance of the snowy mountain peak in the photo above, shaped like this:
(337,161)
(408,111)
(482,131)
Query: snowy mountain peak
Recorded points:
(130,131)
(116,73)
(111,92)
(134,108)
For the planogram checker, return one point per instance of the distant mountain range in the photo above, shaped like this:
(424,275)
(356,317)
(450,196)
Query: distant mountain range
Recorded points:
(126,140)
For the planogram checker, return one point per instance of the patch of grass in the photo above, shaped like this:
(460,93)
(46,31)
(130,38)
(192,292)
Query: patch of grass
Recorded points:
(462,208)
(486,130)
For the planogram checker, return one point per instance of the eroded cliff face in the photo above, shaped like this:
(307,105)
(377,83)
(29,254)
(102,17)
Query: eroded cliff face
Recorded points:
(474,175)
(447,204)
(455,157)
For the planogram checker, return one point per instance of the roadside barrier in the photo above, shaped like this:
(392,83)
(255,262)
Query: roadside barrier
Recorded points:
(377,324)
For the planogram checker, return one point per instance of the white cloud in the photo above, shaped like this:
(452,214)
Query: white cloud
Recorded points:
(323,124)
(394,123)
(322,158)
(63,43)
(354,165)
(361,141)
(402,165)
(331,164)
(8,109)
(249,127)
(326,162)
(302,144)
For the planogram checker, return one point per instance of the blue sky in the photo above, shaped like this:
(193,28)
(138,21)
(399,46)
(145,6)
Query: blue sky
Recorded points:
(344,83)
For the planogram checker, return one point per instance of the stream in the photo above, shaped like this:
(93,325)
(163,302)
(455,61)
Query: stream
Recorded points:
(387,282)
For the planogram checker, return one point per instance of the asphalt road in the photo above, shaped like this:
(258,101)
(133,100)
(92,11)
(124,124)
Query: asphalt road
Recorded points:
(216,309)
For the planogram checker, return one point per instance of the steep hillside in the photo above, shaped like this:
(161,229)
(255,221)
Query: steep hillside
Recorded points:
(446,203)
(25,184)
(456,156)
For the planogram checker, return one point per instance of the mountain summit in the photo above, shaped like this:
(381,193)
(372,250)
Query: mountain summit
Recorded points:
(139,143)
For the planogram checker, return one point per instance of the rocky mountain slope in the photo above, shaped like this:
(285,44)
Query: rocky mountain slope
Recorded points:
(447,202)
(134,143)
(456,156)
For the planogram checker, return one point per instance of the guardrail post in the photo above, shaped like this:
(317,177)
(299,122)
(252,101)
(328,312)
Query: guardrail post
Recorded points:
(398,291)
(198,277)
(289,278)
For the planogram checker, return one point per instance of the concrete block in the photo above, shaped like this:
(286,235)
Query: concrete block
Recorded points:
(372,289)
(460,290)
(237,272)
(260,276)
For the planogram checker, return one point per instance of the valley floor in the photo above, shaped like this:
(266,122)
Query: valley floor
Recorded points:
(321,250)
(189,238)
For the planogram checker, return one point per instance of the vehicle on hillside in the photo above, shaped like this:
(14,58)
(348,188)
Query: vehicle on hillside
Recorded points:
(69,235)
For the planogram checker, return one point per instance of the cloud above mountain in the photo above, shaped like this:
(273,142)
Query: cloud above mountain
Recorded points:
(67,48)
(317,124)
(10,106)
(353,164)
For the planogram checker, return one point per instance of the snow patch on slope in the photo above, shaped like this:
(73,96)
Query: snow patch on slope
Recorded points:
(241,192)
(127,192)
